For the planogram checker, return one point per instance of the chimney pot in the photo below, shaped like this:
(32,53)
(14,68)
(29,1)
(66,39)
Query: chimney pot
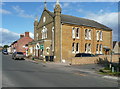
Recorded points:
(26,34)
(21,35)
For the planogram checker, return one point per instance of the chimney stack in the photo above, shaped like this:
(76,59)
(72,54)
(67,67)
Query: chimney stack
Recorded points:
(26,34)
(21,35)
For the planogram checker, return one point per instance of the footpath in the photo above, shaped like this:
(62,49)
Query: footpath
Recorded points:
(91,69)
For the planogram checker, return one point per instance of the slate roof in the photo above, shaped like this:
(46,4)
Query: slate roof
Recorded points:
(80,21)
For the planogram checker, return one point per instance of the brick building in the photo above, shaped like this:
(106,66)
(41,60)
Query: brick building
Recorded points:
(19,45)
(60,37)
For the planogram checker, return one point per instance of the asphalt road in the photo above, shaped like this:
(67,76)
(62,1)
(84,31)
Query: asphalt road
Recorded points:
(22,73)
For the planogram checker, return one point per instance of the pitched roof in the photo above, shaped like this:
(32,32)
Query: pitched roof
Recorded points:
(80,21)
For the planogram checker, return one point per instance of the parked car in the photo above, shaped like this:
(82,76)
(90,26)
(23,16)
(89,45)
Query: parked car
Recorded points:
(84,55)
(18,55)
(5,52)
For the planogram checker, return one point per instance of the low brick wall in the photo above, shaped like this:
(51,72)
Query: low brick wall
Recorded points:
(94,60)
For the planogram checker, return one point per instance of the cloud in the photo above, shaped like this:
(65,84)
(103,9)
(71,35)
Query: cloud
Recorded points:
(3,11)
(31,35)
(7,37)
(64,5)
(108,19)
(21,12)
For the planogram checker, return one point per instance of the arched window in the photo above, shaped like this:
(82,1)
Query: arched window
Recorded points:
(100,35)
(44,32)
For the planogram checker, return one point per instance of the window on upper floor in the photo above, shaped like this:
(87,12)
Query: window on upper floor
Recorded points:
(86,33)
(73,32)
(89,34)
(101,36)
(97,35)
(77,33)
(44,33)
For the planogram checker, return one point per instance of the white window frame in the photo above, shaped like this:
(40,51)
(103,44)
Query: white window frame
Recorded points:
(73,32)
(77,48)
(86,46)
(101,36)
(44,32)
(77,29)
(97,49)
(86,34)
(89,48)
(89,34)
(101,48)
(97,35)
(73,47)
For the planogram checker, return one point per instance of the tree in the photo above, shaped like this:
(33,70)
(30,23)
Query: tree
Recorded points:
(5,46)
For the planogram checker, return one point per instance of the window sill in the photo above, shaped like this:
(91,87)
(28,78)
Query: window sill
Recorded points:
(73,52)
(77,38)
(101,40)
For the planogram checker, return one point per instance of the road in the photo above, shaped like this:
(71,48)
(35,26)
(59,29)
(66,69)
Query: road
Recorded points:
(22,73)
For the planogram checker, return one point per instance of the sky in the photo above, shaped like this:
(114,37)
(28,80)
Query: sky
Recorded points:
(18,17)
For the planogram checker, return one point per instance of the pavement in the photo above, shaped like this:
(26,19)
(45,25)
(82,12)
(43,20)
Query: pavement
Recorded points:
(87,68)
(25,73)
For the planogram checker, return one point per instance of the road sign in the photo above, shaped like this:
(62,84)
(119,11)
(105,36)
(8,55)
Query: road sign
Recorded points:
(41,46)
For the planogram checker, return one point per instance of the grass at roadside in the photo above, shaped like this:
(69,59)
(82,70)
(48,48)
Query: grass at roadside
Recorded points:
(107,71)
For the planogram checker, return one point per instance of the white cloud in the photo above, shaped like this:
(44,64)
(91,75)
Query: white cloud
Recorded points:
(64,5)
(7,36)
(3,11)
(108,19)
(21,12)
(31,35)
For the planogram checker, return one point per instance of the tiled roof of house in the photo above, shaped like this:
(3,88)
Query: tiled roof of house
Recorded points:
(80,21)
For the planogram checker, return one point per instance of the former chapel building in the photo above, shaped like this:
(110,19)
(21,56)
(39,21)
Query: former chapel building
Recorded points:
(60,37)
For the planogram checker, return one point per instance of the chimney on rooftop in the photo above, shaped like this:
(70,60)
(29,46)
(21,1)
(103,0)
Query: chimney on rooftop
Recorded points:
(26,34)
(21,35)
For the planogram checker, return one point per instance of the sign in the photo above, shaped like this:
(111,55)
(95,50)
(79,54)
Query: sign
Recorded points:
(41,46)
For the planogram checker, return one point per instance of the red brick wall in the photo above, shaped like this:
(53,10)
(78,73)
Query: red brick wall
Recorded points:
(22,42)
